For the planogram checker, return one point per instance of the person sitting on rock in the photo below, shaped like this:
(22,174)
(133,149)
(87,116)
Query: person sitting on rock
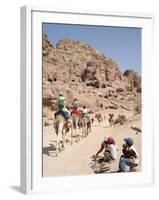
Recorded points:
(110,150)
(62,107)
(129,159)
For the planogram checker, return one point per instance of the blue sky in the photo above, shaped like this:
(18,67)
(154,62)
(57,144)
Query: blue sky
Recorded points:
(121,44)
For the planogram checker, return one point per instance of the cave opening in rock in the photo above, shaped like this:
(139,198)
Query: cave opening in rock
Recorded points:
(50,80)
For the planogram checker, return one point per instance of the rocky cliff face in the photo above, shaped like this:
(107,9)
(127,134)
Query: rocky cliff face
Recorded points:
(81,71)
(132,79)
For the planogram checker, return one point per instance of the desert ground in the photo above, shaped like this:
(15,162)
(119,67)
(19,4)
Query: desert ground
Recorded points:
(76,158)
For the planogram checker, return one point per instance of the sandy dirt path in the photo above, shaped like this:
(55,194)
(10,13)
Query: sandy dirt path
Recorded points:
(76,158)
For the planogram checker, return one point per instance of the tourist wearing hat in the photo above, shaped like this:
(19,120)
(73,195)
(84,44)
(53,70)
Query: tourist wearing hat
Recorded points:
(110,150)
(75,103)
(129,159)
(62,107)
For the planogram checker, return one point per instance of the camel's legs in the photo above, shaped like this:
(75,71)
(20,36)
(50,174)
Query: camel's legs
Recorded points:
(76,133)
(59,136)
(75,127)
(84,129)
(76,130)
(71,135)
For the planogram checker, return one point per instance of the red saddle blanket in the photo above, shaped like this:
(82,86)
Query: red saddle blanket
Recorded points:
(76,112)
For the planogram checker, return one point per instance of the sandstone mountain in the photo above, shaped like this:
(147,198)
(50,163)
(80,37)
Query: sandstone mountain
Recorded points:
(81,71)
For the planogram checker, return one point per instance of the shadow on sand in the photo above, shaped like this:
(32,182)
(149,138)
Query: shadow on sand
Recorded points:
(50,150)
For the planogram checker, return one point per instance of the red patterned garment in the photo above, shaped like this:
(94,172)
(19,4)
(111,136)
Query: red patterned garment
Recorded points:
(76,112)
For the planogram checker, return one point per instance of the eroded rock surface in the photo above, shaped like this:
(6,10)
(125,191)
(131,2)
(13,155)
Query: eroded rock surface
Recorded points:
(78,70)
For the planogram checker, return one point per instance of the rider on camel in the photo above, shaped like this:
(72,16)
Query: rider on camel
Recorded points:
(62,107)
(75,107)
(85,111)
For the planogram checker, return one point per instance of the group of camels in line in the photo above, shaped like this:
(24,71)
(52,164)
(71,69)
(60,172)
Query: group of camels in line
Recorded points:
(77,127)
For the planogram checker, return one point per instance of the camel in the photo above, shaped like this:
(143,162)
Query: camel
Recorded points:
(99,118)
(80,125)
(111,119)
(84,122)
(89,125)
(61,130)
(75,123)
